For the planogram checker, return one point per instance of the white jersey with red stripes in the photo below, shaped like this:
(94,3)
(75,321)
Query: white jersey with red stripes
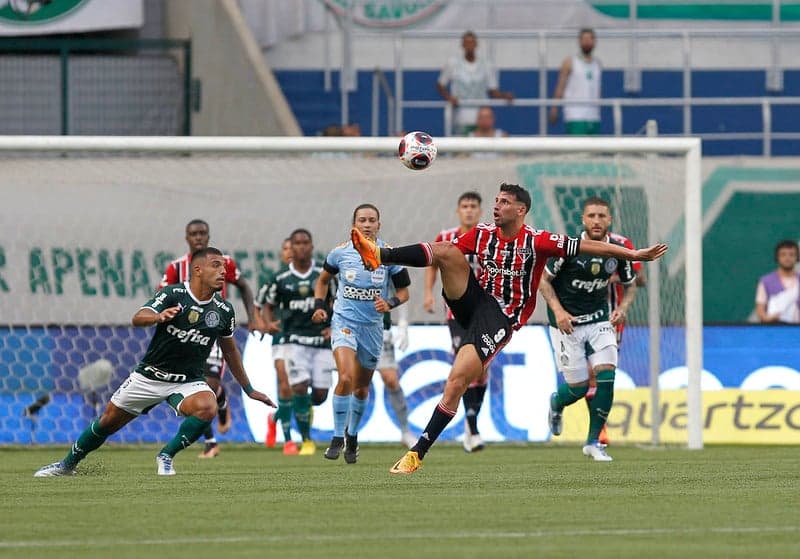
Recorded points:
(511,268)
(178,271)
(448,235)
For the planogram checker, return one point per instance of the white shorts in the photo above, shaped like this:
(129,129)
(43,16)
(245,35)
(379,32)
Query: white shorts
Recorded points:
(137,393)
(304,364)
(595,343)
(279,352)
(387,359)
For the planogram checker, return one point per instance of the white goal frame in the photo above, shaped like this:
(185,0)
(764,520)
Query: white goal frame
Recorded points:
(688,148)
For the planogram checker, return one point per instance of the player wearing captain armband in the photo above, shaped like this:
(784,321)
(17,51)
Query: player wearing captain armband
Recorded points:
(582,329)
(189,318)
(362,298)
(489,308)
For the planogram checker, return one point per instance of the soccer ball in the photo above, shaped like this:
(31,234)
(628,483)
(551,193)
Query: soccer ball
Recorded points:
(417,151)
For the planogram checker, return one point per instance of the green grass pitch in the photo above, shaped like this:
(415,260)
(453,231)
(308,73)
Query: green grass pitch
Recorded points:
(508,501)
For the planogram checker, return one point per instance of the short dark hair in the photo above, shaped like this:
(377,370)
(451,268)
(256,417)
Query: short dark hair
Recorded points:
(787,243)
(203,252)
(470,195)
(588,30)
(469,34)
(366,207)
(596,201)
(300,231)
(519,193)
(198,222)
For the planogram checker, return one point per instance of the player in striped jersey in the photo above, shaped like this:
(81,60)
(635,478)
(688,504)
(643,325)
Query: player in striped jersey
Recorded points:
(512,257)
(178,271)
(469,214)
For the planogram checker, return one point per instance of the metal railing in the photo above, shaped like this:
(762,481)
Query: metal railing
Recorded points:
(766,136)
(64,48)
(380,83)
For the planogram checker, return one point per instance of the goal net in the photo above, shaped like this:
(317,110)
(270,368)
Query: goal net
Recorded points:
(89,224)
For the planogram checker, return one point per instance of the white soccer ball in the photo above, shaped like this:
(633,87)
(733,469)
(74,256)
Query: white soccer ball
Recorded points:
(417,151)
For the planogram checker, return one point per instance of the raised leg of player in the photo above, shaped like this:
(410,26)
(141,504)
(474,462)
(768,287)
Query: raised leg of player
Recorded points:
(199,409)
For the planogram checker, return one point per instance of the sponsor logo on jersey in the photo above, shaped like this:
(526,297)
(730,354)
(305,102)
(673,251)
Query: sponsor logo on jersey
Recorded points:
(221,304)
(347,332)
(159,299)
(165,376)
(590,286)
(487,339)
(360,293)
(611,265)
(193,316)
(192,335)
(590,317)
(379,276)
(494,270)
(303,305)
(212,319)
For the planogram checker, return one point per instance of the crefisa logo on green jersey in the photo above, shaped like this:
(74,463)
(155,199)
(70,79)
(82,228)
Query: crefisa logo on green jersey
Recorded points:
(36,11)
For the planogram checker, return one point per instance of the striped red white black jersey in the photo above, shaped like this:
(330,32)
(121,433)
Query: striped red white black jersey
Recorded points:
(511,268)
(178,271)
(448,235)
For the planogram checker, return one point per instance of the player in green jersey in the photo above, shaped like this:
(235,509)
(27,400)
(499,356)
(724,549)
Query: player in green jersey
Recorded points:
(189,318)
(309,360)
(279,349)
(582,329)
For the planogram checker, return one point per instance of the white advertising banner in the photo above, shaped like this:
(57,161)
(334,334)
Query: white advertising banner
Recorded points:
(522,378)
(38,17)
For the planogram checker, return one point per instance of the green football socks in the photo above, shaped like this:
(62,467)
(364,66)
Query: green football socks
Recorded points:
(600,405)
(567,394)
(302,413)
(189,431)
(91,439)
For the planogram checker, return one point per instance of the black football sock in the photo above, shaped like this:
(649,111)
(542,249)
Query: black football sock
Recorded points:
(417,256)
(471,408)
(439,420)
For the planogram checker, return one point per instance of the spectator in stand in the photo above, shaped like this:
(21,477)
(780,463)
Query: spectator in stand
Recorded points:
(485,125)
(579,80)
(778,293)
(468,79)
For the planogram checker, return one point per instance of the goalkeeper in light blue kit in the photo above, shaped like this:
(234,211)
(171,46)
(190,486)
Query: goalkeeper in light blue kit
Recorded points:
(362,299)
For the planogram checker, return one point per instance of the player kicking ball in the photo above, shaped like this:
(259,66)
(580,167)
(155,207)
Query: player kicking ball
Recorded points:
(189,318)
(489,308)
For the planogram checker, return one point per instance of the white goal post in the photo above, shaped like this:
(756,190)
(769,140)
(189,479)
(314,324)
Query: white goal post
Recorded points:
(686,150)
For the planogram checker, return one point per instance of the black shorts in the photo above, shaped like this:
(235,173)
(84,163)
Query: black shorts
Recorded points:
(457,333)
(484,324)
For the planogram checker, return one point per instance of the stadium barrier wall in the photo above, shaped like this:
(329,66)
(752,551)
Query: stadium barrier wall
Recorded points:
(751,382)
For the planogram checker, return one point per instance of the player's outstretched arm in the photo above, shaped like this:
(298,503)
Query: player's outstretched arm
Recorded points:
(149,317)
(234,360)
(610,250)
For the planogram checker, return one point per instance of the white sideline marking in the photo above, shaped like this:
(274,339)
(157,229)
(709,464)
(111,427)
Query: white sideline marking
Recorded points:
(396,536)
